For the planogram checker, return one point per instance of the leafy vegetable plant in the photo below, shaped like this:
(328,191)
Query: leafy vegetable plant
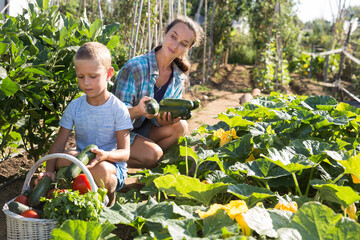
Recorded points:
(73,205)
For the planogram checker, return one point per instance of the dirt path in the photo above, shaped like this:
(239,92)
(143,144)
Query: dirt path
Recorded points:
(208,113)
(226,90)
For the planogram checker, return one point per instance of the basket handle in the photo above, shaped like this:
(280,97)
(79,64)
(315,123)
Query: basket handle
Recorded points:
(71,158)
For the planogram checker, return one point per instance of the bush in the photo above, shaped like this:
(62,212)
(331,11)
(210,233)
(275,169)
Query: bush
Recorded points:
(38,79)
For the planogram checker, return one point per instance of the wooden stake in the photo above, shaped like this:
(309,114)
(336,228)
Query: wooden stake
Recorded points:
(204,47)
(137,28)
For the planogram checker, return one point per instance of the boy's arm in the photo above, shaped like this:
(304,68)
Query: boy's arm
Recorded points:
(58,147)
(122,153)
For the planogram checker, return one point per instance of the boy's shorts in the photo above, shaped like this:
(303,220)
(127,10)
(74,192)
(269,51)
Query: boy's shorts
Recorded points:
(121,174)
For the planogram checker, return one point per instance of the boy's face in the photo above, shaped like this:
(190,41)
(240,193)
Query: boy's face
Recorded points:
(92,77)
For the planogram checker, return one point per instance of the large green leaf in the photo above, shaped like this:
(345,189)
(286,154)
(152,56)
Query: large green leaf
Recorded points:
(187,187)
(111,28)
(238,148)
(251,194)
(78,230)
(155,212)
(352,165)
(321,102)
(124,213)
(289,160)
(260,168)
(266,103)
(9,87)
(180,229)
(317,221)
(214,223)
(267,222)
(343,195)
(234,121)
(95,29)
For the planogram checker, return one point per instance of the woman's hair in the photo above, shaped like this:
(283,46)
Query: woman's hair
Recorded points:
(95,51)
(183,63)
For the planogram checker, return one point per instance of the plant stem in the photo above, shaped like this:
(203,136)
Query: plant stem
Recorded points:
(267,185)
(337,179)
(296,184)
(308,185)
(186,159)
(165,195)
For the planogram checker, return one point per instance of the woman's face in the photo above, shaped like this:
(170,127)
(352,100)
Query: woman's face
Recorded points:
(178,40)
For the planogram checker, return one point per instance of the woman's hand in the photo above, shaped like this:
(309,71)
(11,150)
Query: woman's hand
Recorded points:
(166,119)
(140,109)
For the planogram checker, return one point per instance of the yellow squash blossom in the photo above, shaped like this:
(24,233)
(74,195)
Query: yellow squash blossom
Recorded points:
(225,136)
(351,211)
(291,206)
(355,179)
(212,210)
(250,159)
(234,209)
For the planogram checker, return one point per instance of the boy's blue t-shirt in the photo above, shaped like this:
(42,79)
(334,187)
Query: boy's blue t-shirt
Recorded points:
(97,124)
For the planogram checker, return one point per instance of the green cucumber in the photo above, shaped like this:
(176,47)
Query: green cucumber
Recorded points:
(176,111)
(187,116)
(40,190)
(152,106)
(85,156)
(18,208)
(196,104)
(177,102)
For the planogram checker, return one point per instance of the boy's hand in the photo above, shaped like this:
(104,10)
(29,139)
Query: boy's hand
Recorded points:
(101,155)
(41,175)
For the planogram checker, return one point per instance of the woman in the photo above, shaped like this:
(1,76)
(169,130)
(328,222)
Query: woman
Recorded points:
(159,74)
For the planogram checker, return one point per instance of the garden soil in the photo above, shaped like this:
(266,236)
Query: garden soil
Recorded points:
(222,91)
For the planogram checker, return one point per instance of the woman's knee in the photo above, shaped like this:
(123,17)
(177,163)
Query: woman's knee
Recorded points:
(146,156)
(152,156)
(181,128)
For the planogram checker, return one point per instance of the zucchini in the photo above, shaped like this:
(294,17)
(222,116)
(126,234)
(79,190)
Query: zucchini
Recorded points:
(85,156)
(18,208)
(176,111)
(152,106)
(187,116)
(196,104)
(40,190)
(60,173)
(177,102)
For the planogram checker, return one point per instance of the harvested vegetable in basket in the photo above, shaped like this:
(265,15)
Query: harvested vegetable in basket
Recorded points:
(73,205)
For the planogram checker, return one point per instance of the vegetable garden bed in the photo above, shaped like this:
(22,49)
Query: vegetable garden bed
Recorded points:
(284,165)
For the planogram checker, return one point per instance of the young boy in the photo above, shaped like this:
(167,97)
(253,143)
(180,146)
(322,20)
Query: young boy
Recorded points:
(98,118)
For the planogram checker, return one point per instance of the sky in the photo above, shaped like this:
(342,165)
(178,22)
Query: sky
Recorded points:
(309,10)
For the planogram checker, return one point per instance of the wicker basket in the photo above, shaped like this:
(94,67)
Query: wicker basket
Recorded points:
(21,228)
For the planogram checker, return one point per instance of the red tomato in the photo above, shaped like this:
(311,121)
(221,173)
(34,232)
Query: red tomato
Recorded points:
(30,214)
(50,194)
(22,199)
(81,183)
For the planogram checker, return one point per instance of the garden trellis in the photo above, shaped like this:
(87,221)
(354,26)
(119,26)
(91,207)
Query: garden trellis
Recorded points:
(337,83)
(150,23)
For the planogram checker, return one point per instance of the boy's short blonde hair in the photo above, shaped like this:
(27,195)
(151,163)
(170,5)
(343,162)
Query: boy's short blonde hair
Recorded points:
(94,51)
